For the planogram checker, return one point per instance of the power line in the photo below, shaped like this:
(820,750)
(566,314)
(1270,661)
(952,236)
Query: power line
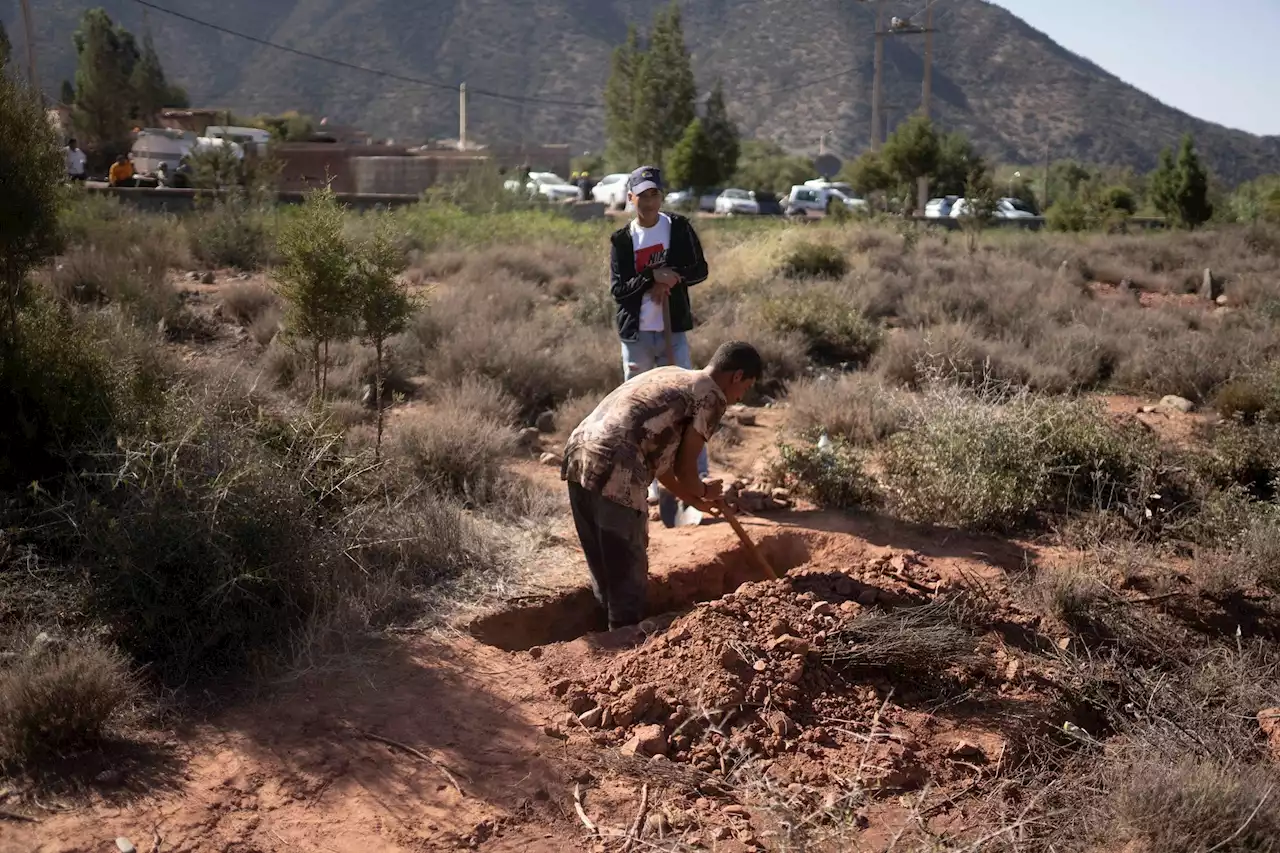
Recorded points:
(391,75)
(809,83)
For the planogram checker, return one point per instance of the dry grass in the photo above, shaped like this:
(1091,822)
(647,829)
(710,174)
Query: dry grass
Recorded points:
(454,450)
(60,696)
(856,407)
(912,639)
(245,302)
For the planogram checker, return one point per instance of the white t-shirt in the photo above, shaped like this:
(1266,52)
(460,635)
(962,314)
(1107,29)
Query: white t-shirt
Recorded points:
(75,161)
(651,246)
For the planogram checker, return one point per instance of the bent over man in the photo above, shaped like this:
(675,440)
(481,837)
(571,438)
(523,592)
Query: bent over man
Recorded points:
(653,426)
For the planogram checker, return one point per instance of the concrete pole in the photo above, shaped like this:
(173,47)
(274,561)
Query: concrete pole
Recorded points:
(877,90)
(922,189)
(462,117)
(31,44)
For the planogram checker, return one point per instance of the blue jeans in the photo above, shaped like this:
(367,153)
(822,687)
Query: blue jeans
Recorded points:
(649,350)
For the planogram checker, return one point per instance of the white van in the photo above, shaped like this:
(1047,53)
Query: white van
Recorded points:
(805,198)
(253,139)
(154,146)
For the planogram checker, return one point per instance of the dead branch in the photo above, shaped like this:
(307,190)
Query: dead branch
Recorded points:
(5,814)
(582,813)
(422,755)
(637,825)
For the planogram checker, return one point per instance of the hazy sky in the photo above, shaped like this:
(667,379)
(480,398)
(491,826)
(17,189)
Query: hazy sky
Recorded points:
(1215,60)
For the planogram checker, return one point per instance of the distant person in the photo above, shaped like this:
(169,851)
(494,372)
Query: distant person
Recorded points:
(121,173)
(654,260)
(653,427)
(75,161)
(164,175)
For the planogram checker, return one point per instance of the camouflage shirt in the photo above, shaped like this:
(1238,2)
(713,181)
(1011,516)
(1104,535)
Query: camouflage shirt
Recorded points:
(633,435)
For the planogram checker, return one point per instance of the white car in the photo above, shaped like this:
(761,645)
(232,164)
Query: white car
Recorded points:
(735,202)
(1006,208)
(815,199)
(940,208)
(678,199)
(547,184)
(824,184)
(611,191)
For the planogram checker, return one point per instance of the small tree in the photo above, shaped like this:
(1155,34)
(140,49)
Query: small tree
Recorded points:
(314,278)
(956,158)
(383,304)
(980,203)
(911,152)
(693,162)
(722,134)
(868,174)
(620,102)
(1164,186)
(1194,207)
(31,170)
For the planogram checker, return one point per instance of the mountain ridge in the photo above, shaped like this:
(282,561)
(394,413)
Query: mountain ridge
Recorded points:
(1014,90)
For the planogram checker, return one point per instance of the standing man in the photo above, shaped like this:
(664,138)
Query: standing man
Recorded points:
(75,161)
(121,172)
(652,427)
(654,261)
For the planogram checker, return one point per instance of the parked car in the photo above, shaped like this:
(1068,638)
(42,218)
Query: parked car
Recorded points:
(547,184)
(823,183)
(814,199)
(683,199)
(768,204)
(1006,208)
(940,208)
(611,191)
(737,202)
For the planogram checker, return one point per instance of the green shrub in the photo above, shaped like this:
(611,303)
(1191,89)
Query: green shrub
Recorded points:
(70,387)
(966,461)
(814,260)
(830,476)
(58,697)
(836,332)
(1251,398)
(231,232)
(855,407)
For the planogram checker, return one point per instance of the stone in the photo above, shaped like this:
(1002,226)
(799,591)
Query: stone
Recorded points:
(529,436)
(1210,287)
(965,750)
(207,278)
(868,596)
(735,810)
(720,833)
(656,825)
(1222,300)
(551,460)
(111,776)
(780,495)
(848,608)
(759,666)
(580,702)
(124,845)
(790,645)
(1176,403)
(552,730)
(1269,722)
(647,741)
(591,719)
(821,608)
(747,418)
(632,705)
(561,687)
(1011,671)
(546,422)
(778,627)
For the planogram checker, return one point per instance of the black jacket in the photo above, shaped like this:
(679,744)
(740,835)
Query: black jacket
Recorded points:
(684,256)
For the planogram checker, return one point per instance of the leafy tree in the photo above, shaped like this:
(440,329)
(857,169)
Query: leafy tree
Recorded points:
(104,96)
(151,90)
(31,170)
(1257,201)
(722,134)
(314,278)
(911,151)
(868,174)
(6,48)
(956,159)
(67,93)
(1120,198)
(980,203)
(694,161)
(1164,185)
(650,94)
(766,166)
(290,126)
(620,103)
(1194,207)
(383,304)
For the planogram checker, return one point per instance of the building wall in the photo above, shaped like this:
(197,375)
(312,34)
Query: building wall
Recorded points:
(411,174)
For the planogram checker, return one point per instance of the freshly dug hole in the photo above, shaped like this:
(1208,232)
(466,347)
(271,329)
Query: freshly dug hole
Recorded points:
(570,615)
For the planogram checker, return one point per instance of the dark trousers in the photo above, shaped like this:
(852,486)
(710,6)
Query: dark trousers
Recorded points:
(615,540)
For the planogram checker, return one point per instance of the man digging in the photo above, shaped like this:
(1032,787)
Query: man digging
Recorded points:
(653,262)
(653,426)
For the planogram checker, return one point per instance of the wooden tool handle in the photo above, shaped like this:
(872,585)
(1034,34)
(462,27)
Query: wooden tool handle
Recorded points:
(666,330)
(755,557)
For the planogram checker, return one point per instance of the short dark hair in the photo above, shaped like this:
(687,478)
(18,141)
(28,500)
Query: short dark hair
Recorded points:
(733,356)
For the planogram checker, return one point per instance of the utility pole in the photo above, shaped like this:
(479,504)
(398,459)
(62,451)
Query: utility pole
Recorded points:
(877,88)
(31,44)
(462,117)
(922,187)
(1044,203)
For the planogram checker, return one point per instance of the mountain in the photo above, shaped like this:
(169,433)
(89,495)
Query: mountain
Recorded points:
(792,71)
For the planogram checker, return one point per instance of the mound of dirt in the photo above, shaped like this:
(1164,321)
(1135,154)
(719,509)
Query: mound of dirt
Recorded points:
(752,678)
